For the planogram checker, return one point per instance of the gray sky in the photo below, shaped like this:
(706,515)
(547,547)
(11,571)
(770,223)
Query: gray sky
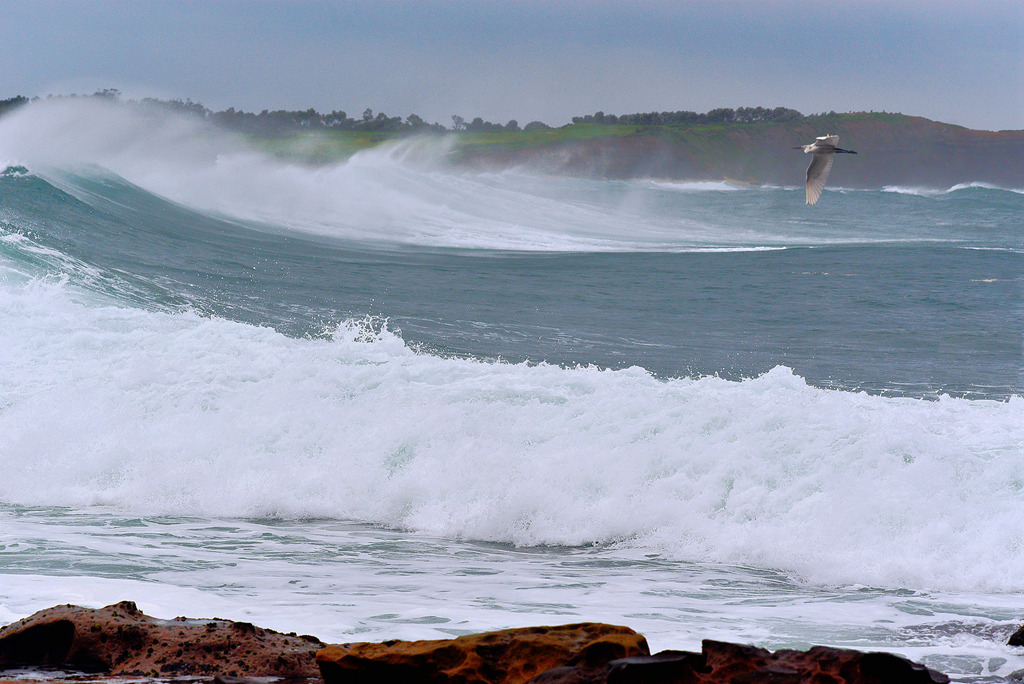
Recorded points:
(953,61)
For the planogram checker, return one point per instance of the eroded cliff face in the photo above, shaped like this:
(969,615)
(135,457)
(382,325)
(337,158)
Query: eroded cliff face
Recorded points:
(892,150)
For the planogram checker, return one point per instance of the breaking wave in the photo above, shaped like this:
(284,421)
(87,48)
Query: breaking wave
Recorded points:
(159,413)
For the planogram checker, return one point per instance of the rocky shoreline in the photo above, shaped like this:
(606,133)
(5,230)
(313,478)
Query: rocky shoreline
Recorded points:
(119,642)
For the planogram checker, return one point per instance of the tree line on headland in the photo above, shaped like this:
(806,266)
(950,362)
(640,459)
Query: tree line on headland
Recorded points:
(279,122)
(747,144)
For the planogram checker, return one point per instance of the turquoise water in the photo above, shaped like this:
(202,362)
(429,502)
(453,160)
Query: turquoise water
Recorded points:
(391,399)
(922,299)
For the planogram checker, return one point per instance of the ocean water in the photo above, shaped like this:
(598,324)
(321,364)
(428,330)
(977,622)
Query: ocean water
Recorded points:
(388,398)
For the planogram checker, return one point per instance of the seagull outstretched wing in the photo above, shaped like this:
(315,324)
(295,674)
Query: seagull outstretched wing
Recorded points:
(817,174)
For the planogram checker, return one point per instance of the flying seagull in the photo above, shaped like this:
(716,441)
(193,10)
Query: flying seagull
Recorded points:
(823,151)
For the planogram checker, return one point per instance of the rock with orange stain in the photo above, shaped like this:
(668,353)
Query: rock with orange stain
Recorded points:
(509,656)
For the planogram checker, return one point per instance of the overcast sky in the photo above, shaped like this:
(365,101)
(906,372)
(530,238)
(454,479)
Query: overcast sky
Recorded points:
(953,61)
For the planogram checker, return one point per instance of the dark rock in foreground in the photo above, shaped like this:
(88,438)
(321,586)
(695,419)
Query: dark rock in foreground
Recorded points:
(603,654)
(121,640)
(511,655)
(1017,638)
(724,663)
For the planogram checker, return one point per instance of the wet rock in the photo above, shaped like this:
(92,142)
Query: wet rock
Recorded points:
(667,666)
(725,663)
(509,656)
(1017,638)
(121,640)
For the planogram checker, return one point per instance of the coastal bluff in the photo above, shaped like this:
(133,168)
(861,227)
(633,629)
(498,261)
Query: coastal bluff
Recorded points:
(120,641)
(893,150)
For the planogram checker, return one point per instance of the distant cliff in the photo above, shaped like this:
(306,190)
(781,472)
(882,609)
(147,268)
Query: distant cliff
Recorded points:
(749,145)
(893,149)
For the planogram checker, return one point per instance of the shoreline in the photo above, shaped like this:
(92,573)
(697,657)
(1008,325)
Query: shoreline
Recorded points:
(119,643)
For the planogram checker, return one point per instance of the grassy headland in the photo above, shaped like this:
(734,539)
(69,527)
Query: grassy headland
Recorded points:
(748,145)
(893,149)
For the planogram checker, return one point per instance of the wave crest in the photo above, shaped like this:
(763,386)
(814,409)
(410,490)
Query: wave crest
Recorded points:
(177,414)
(933,192)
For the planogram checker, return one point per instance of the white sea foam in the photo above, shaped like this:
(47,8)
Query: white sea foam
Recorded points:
(345,582)
(909,190)
(695,186)
(392,193)
(986,186)
(157,413)
(935,192)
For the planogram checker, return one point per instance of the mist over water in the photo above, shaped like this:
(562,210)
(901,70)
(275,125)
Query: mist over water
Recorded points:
(406,194)
(687,380)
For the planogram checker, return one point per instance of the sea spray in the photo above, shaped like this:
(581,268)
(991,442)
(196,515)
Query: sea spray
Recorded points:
(388,194)
(934,192)
(406,193)
(154,413)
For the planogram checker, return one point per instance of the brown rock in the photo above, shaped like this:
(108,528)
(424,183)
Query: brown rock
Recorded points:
(724,663)
(121,640)
(509,656)
(667,666)
(1017,638)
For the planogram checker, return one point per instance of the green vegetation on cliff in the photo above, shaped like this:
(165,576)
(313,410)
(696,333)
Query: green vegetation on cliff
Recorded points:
(747,144)
(894,149)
